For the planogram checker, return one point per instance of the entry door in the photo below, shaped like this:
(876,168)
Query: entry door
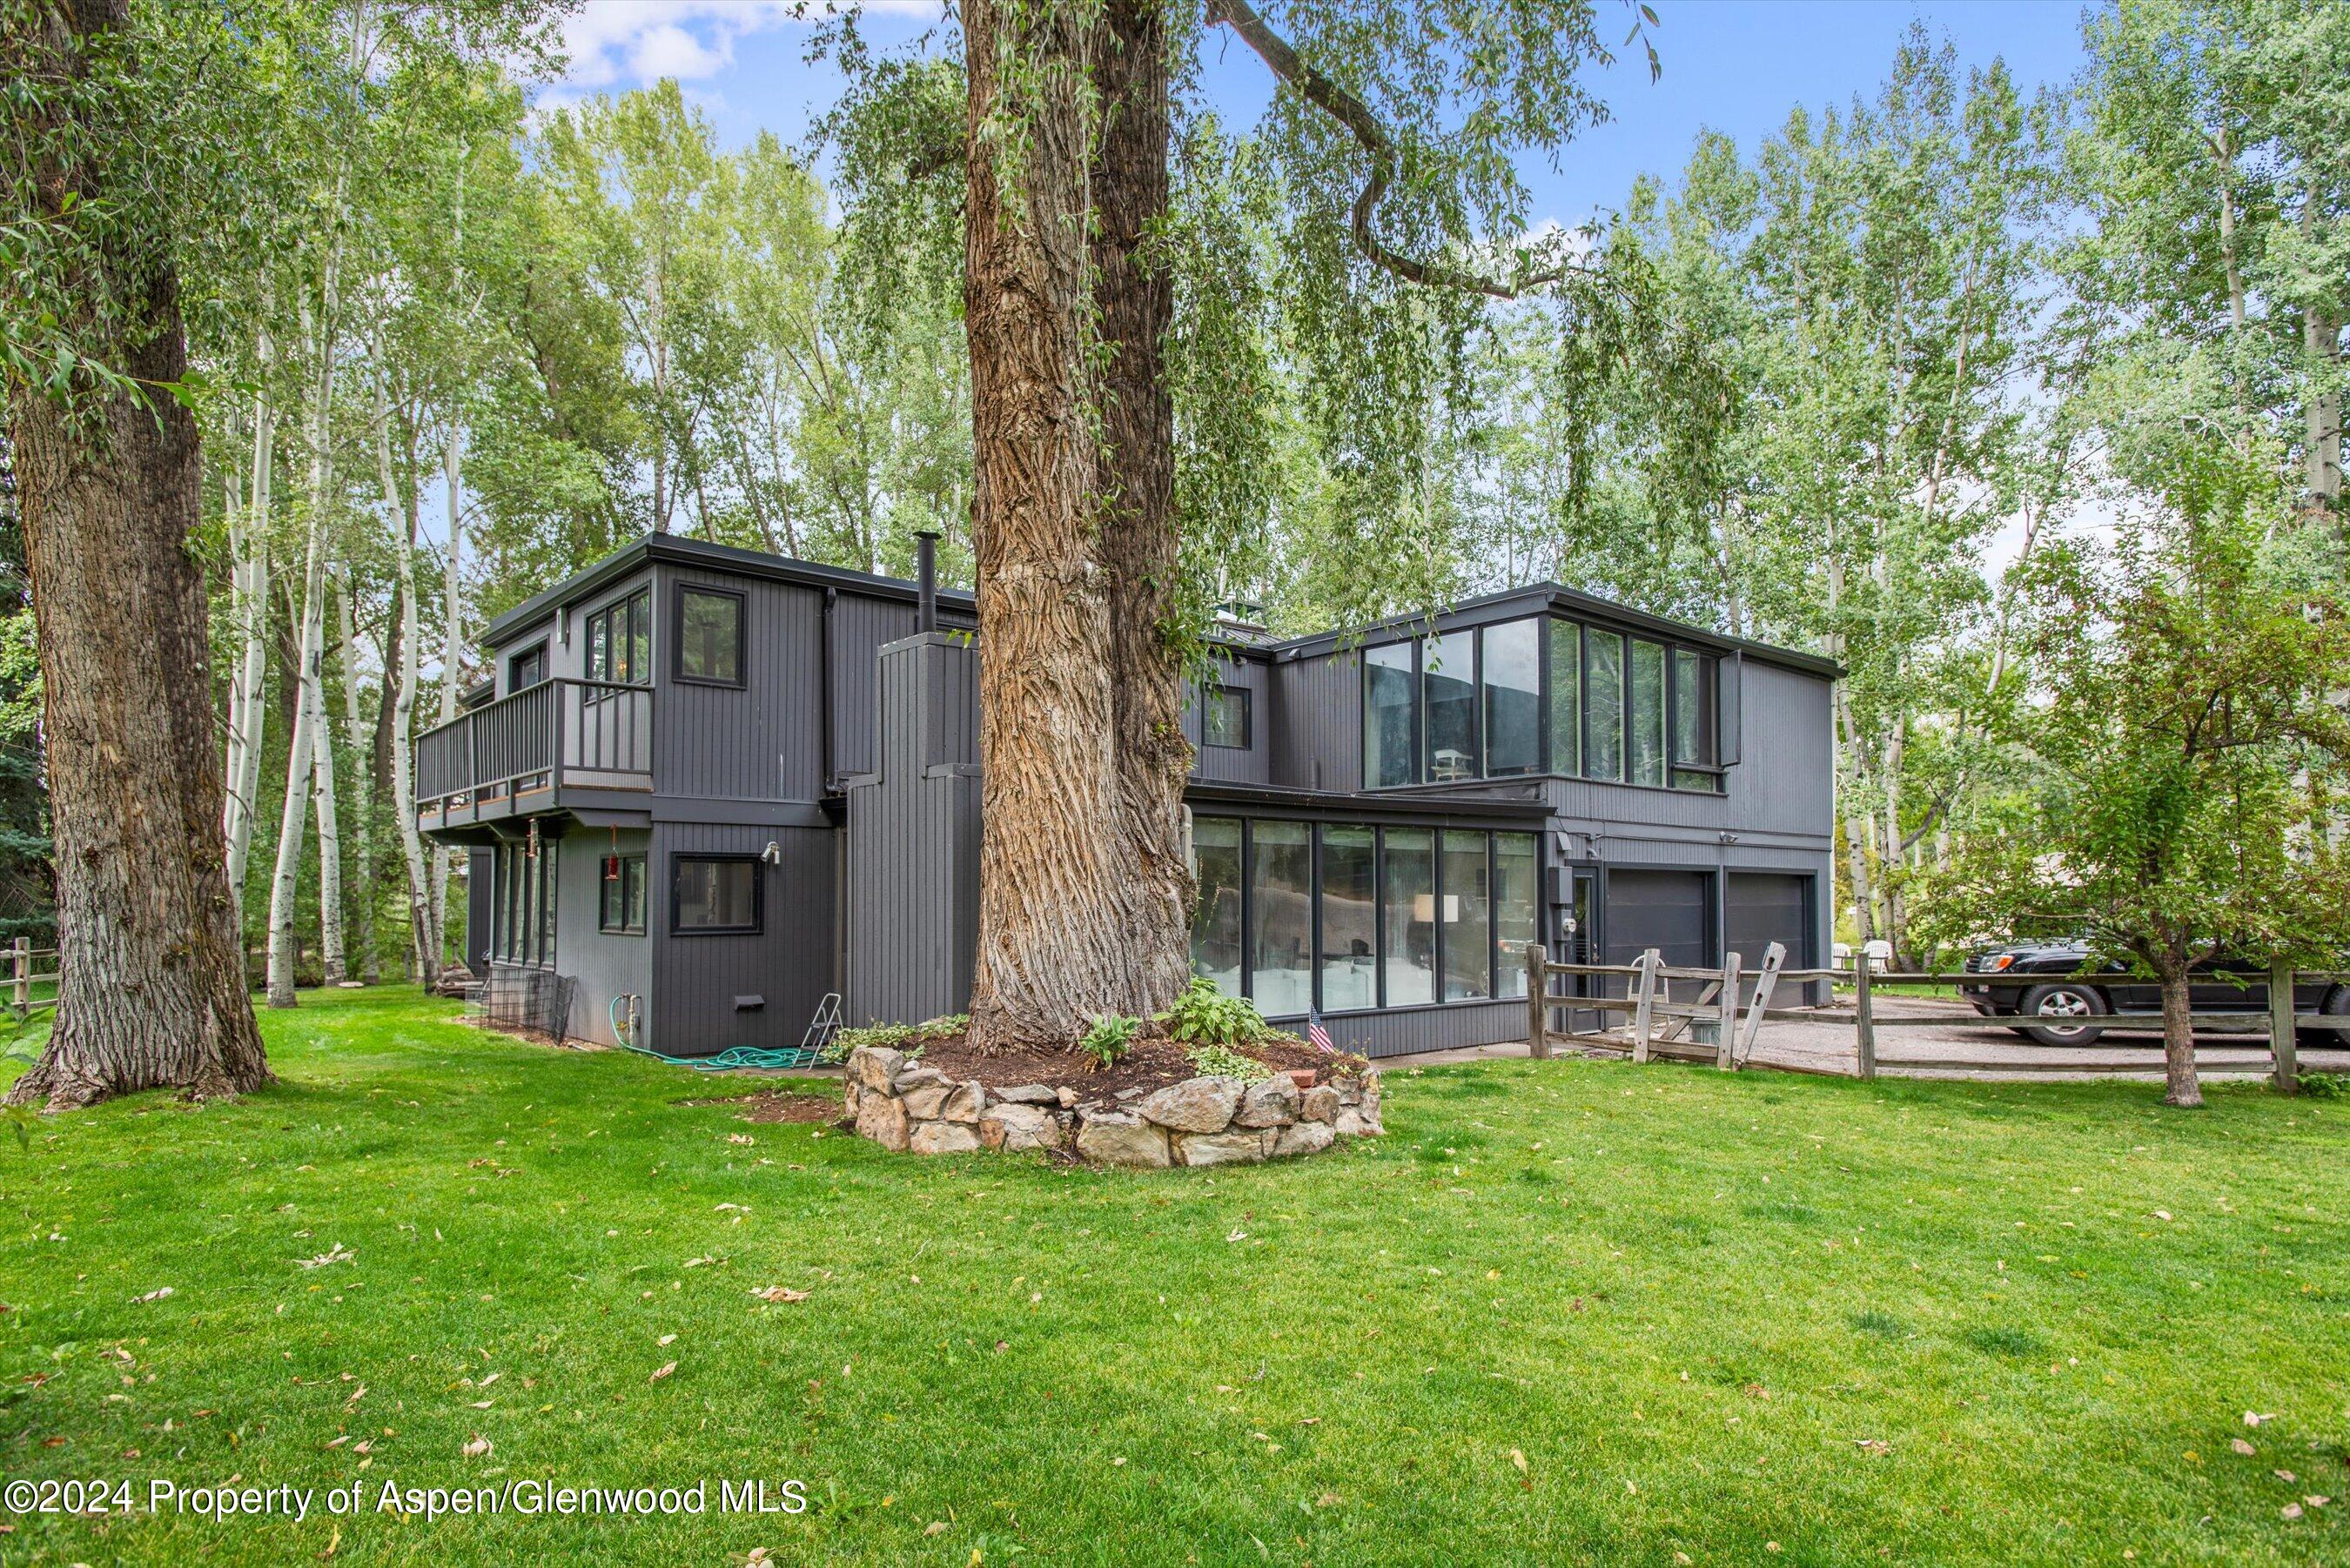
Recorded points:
(1581,941)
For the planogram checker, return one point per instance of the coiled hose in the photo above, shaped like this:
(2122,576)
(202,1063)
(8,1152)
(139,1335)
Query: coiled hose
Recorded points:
(733,1058)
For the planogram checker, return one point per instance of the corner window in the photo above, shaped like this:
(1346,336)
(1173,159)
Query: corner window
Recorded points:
(713,894)
(1511,669)
(1696,708)
(1565,697)
(1224,716)
(1390,707)
(1648,712)
(620,907)
(710,636)
(620,642)
(1603,704)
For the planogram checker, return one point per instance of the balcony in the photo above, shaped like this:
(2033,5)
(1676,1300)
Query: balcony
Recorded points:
(576,741)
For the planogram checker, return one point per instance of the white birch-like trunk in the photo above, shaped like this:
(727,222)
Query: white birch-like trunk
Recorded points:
(322,789)
(250,707)
(453,664)
(355,726)
(300,761)
(424,934)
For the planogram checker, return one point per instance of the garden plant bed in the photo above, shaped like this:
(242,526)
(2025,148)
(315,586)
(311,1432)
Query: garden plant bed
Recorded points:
(1150,1110)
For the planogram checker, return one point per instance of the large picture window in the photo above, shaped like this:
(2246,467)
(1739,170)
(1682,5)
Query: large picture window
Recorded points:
(1603,688)
(714,894)
(1465,923)
(620,642)
(1216,916)
(1448,677)
(522,913)
(1648,712)
(1517,875)
(1350,915)
(710,636)
(1565,697)
(1408,915)
(1512,668)
(1281,917)
(1696,703)
(1390,704)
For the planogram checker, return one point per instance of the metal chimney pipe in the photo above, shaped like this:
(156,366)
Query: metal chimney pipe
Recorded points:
(926,579)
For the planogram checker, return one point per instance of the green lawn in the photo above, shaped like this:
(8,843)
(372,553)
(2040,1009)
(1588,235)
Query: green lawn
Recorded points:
(1564,1312)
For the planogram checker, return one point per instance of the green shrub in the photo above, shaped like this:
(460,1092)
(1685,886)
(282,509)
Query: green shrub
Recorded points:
(1203,1015)
(1110,1038)
(1223,1061)
(906,1037)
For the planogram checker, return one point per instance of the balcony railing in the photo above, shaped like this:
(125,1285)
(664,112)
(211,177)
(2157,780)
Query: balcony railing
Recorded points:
(519,751)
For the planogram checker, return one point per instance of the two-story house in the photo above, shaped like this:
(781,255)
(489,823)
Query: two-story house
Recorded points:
(712,785)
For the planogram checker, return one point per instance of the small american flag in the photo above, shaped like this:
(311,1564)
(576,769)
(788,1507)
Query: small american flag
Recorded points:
(1317,1035)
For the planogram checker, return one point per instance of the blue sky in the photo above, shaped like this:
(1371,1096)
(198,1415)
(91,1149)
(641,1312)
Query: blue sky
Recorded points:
(1733,66)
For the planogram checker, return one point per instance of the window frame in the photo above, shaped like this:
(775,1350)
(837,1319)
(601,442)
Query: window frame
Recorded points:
(1209,692)
(1413,749)
(758,925)
(603,920)
(614,615)
(677,672)
(513,661)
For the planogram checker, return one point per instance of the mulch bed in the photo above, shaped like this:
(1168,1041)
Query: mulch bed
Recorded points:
(1153,1062)
(767,1109)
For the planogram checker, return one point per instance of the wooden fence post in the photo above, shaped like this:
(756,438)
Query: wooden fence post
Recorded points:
(1537,1002)
(1645,1016)
(1773,957)
(2286,1067)
(1727,1004)
(1863,1019)
(20,963)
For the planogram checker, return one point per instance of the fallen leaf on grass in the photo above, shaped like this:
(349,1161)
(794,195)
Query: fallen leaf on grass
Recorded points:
(2242,1446)
(2290,1510)
(155,1295)
(339,1253)
(666,1368)
(936,1527)
(666,1340)
(1518,1458)
(785,1294)
(476,1447)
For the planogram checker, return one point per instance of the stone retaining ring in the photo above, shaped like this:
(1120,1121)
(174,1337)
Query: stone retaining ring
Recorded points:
(905,1106)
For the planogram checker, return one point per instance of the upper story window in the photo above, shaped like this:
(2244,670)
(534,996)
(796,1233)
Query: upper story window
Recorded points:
(709,636)
(1224,716)
(1498,701)
(526,669)
(620,640)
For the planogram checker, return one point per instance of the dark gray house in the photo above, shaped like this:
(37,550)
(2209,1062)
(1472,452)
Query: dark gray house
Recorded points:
(712,785)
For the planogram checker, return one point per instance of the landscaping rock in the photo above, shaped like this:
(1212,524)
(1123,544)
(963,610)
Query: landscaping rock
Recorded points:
(1234,1148)
(1320,1104)
(910,1078)
(924,1100)
(963,1103)
(1303,1137)
(875,1066)
(1353,1123)
(1194,1105)
(942,1137)
(1119,1137)
(881,1117)
(850,1092)
(1018,1127)
(1272,1104)
(1068,1098)
(1026,1094)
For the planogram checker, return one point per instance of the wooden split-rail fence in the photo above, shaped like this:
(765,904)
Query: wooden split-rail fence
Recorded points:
(1713,1026)
(31,986)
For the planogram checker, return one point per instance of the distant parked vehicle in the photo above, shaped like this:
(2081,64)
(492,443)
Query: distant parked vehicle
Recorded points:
(2079,988)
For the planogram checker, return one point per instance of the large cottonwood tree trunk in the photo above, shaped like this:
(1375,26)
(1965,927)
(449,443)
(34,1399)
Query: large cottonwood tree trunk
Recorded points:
(153,992)
(1134,489)
(1055,942)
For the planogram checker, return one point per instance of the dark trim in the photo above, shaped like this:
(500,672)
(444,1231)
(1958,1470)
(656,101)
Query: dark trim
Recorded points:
(644,870)
(1386,805)
(758,925)
(723,813)
(546,672)
(742,680)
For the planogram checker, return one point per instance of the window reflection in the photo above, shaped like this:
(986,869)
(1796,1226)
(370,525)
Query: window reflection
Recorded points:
(1349,919)
(1216,916)
(1281,914)
(1408,915)
(1466,917)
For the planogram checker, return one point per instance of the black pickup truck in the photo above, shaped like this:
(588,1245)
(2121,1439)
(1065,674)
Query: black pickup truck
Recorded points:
(2079,988)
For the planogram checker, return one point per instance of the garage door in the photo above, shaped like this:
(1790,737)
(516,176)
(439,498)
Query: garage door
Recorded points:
(1668,910)
(1765,908)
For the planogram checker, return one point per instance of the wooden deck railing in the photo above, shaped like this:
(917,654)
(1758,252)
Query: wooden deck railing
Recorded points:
(1657,1021)
(594,734)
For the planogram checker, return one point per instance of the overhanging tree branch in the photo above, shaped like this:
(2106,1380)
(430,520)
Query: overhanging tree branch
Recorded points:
(1351,112)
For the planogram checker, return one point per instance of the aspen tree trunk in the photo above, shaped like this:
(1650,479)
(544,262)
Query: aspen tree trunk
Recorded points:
(152,992)
(1134,487)
(301,755)
(452,666)
(362,785)
(251,677)
(331,952)
(423,934)
(1054,942)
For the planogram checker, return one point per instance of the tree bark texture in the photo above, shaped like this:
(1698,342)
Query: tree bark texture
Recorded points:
(2180,1085)
(1134,487)
(1056,943)
(152,990)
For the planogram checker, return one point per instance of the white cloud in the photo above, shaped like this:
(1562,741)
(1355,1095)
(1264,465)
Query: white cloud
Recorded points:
(627,42)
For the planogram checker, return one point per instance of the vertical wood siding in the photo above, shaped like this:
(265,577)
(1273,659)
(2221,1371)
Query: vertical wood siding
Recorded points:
(790,962)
